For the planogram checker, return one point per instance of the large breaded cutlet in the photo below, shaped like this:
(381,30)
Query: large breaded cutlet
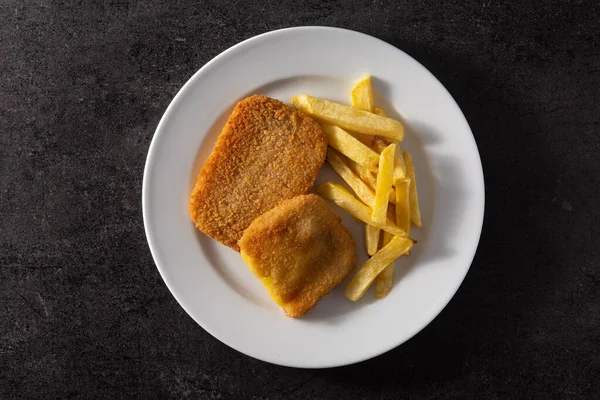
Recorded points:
(300,251)
(266,153)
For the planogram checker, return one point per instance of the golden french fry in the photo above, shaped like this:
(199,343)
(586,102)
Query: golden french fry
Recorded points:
(364,173)
(362,94)
(348,117)
(383,284)
(368,177)
(379,144)
(373,267)
(384,184)
(345,200)
(362,190)
(403,204)
(399,165)
(415,211)
(351,147)
(371,239)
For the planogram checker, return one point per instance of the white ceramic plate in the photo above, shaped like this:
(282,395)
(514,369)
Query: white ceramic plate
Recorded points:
(212,283)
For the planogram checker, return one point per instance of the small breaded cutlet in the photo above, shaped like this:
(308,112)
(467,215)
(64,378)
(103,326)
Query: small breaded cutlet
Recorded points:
(267,152)
(300,251)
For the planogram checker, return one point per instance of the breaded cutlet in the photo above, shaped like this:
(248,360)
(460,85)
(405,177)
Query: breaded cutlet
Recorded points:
(300,251)
(267,152)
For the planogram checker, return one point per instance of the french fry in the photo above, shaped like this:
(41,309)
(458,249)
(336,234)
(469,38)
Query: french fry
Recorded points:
(348,117)
(403,204)
(379,144)
(364,173)
(362,190)
(345,200)
(371,239)
(384,184)
(399,165)
(351,147)
(383,283)
(415,211)
(362,95)
(368,177)
(366,274)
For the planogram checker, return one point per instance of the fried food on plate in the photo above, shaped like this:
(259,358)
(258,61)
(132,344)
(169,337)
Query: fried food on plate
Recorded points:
(348,117)
(362,95)
(403,207)
(379,144)
(267,152)
(369,271)
(351,147)
(403,204)
(384,184)
(372,234)
(415,210)
(358,210)
(383,283)
(300,251)
(365,174)
(362,190)
(399,166)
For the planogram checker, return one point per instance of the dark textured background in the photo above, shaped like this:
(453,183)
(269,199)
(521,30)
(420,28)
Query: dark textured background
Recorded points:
(83,310)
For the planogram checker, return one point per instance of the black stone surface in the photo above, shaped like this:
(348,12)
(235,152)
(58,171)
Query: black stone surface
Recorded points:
(83,310)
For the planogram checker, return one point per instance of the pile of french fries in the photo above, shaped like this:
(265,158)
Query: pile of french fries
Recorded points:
(364,143)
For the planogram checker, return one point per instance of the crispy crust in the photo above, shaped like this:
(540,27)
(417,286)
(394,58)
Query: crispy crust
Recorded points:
(300,251)
(266,153)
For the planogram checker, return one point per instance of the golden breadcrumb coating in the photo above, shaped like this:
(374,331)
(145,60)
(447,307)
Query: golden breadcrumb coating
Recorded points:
(266,153)
(300,251)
